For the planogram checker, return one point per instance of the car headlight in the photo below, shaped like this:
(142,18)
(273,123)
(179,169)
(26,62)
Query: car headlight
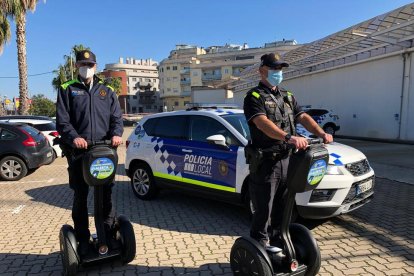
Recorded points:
(333,170)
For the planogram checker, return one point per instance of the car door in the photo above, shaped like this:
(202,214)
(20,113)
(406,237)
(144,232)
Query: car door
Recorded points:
(169,135)
(206,165)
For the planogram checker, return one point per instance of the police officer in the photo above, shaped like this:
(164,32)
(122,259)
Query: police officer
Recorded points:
(87,110)
(272,113)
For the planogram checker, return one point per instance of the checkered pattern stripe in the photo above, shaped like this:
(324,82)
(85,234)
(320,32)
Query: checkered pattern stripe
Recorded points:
(337,161)
(166,160)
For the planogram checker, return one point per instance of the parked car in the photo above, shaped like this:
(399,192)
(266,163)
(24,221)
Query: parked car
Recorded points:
(202,151)
(22,149)
(328,121)
(128,122)
(42,123)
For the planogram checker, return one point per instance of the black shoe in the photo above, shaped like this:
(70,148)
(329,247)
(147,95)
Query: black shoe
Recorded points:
(83,248)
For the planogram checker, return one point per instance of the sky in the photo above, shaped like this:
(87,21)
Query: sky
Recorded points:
(151,29)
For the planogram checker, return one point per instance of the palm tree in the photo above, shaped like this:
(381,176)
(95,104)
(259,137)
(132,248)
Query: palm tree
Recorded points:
(17,9)
(4,30)
(67,71)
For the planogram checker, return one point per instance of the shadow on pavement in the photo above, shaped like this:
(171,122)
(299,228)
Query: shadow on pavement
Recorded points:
(172,211)
(24,264)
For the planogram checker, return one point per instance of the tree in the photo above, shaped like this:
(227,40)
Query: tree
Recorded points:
(42,106)
(17,9)
(67,71)
(115,83)
(4,30)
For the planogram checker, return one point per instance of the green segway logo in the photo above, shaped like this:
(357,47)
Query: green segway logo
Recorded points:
(317,172)
(102,168)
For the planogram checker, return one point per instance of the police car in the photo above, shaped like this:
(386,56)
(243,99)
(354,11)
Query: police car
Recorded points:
(325,118)
(201,150)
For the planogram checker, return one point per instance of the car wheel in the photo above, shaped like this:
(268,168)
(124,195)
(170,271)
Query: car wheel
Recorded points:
(330,129)
(142,182)
(12,168)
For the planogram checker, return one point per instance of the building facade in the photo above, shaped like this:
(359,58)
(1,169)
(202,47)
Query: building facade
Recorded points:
(140,84)
(215,66)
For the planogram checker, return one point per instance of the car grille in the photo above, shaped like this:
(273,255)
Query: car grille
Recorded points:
(352,194)
(358,168)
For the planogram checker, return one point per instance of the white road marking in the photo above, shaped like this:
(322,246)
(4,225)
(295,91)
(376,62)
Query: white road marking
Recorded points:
(18,209)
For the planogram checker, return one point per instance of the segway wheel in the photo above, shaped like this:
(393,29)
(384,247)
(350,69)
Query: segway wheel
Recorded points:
(68,247)
(246,260)
(306,247)
(127,236)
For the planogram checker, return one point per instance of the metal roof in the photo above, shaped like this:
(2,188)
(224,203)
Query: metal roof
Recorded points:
(383,34)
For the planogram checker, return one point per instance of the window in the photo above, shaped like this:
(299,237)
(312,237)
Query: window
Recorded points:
(226,71)
(168,67)
(45,127)
(239,122)
(203,127)
(174,68)
(168,78)
(154,89)
(167,127)
(175,103)
(7,135)
(148,80)
(168,89)
(175,78)
(316,112)
(175,90)
(134,97)
(134,79)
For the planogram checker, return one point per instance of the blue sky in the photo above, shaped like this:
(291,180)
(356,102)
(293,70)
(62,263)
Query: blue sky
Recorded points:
(151,29)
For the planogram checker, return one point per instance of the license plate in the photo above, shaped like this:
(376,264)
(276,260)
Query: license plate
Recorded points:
(363,187)
(49,154)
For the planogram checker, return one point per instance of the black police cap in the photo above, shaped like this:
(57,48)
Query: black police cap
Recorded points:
(273,61)
(85,56)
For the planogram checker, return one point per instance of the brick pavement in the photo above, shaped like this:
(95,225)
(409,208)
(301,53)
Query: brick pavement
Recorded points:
(183,235)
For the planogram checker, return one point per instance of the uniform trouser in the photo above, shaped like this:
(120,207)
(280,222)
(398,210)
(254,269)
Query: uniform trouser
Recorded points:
(268,193)
(80,201)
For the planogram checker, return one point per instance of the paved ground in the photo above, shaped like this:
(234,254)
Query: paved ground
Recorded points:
(181,235)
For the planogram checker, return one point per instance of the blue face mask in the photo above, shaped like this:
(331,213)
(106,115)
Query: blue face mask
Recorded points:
(275,77)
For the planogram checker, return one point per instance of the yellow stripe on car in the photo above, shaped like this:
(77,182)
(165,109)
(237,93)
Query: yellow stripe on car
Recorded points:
(195,182)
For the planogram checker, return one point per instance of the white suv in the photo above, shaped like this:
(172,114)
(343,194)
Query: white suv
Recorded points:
(325,118)
(202,150)
(44,124)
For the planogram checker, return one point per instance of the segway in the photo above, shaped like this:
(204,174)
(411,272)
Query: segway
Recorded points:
(99,168)
(300,254)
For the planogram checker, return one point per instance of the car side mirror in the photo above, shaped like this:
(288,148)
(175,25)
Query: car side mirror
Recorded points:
(217,139)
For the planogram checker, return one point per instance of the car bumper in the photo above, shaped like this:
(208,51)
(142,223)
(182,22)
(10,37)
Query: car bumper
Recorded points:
(328,212)
(345,197)
(40,158)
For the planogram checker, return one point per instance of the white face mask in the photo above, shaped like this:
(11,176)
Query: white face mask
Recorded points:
(86,72)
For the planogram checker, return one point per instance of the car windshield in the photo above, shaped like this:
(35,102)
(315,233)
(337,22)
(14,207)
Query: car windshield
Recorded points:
(238,121)
(45,127)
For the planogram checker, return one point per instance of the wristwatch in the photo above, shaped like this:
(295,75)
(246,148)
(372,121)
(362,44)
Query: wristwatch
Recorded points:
(287,137)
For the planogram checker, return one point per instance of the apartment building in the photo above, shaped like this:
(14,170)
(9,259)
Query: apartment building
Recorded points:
(140,84)
(216,66)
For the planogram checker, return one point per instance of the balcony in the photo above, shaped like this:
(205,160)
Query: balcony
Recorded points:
(186,93)
(210,77)
(185,81)
(185,71)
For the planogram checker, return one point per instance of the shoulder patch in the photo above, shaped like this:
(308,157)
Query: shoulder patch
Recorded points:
(289,93)
(66,84)
(255,94)
(110,87)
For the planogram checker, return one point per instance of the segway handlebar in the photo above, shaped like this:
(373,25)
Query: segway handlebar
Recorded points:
(311,141)
(99,142)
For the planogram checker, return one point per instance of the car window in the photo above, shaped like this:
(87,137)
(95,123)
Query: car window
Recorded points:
(239,122)
(7,135)
(45,127)
(171,127)
(203,127)
(149,126)
(32,132)
(316,112)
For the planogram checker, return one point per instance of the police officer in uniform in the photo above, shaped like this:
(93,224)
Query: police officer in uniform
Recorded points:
(87,110)
(272,113)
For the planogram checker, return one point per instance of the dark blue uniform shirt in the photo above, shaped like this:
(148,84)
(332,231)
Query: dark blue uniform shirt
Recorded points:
(92,114)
